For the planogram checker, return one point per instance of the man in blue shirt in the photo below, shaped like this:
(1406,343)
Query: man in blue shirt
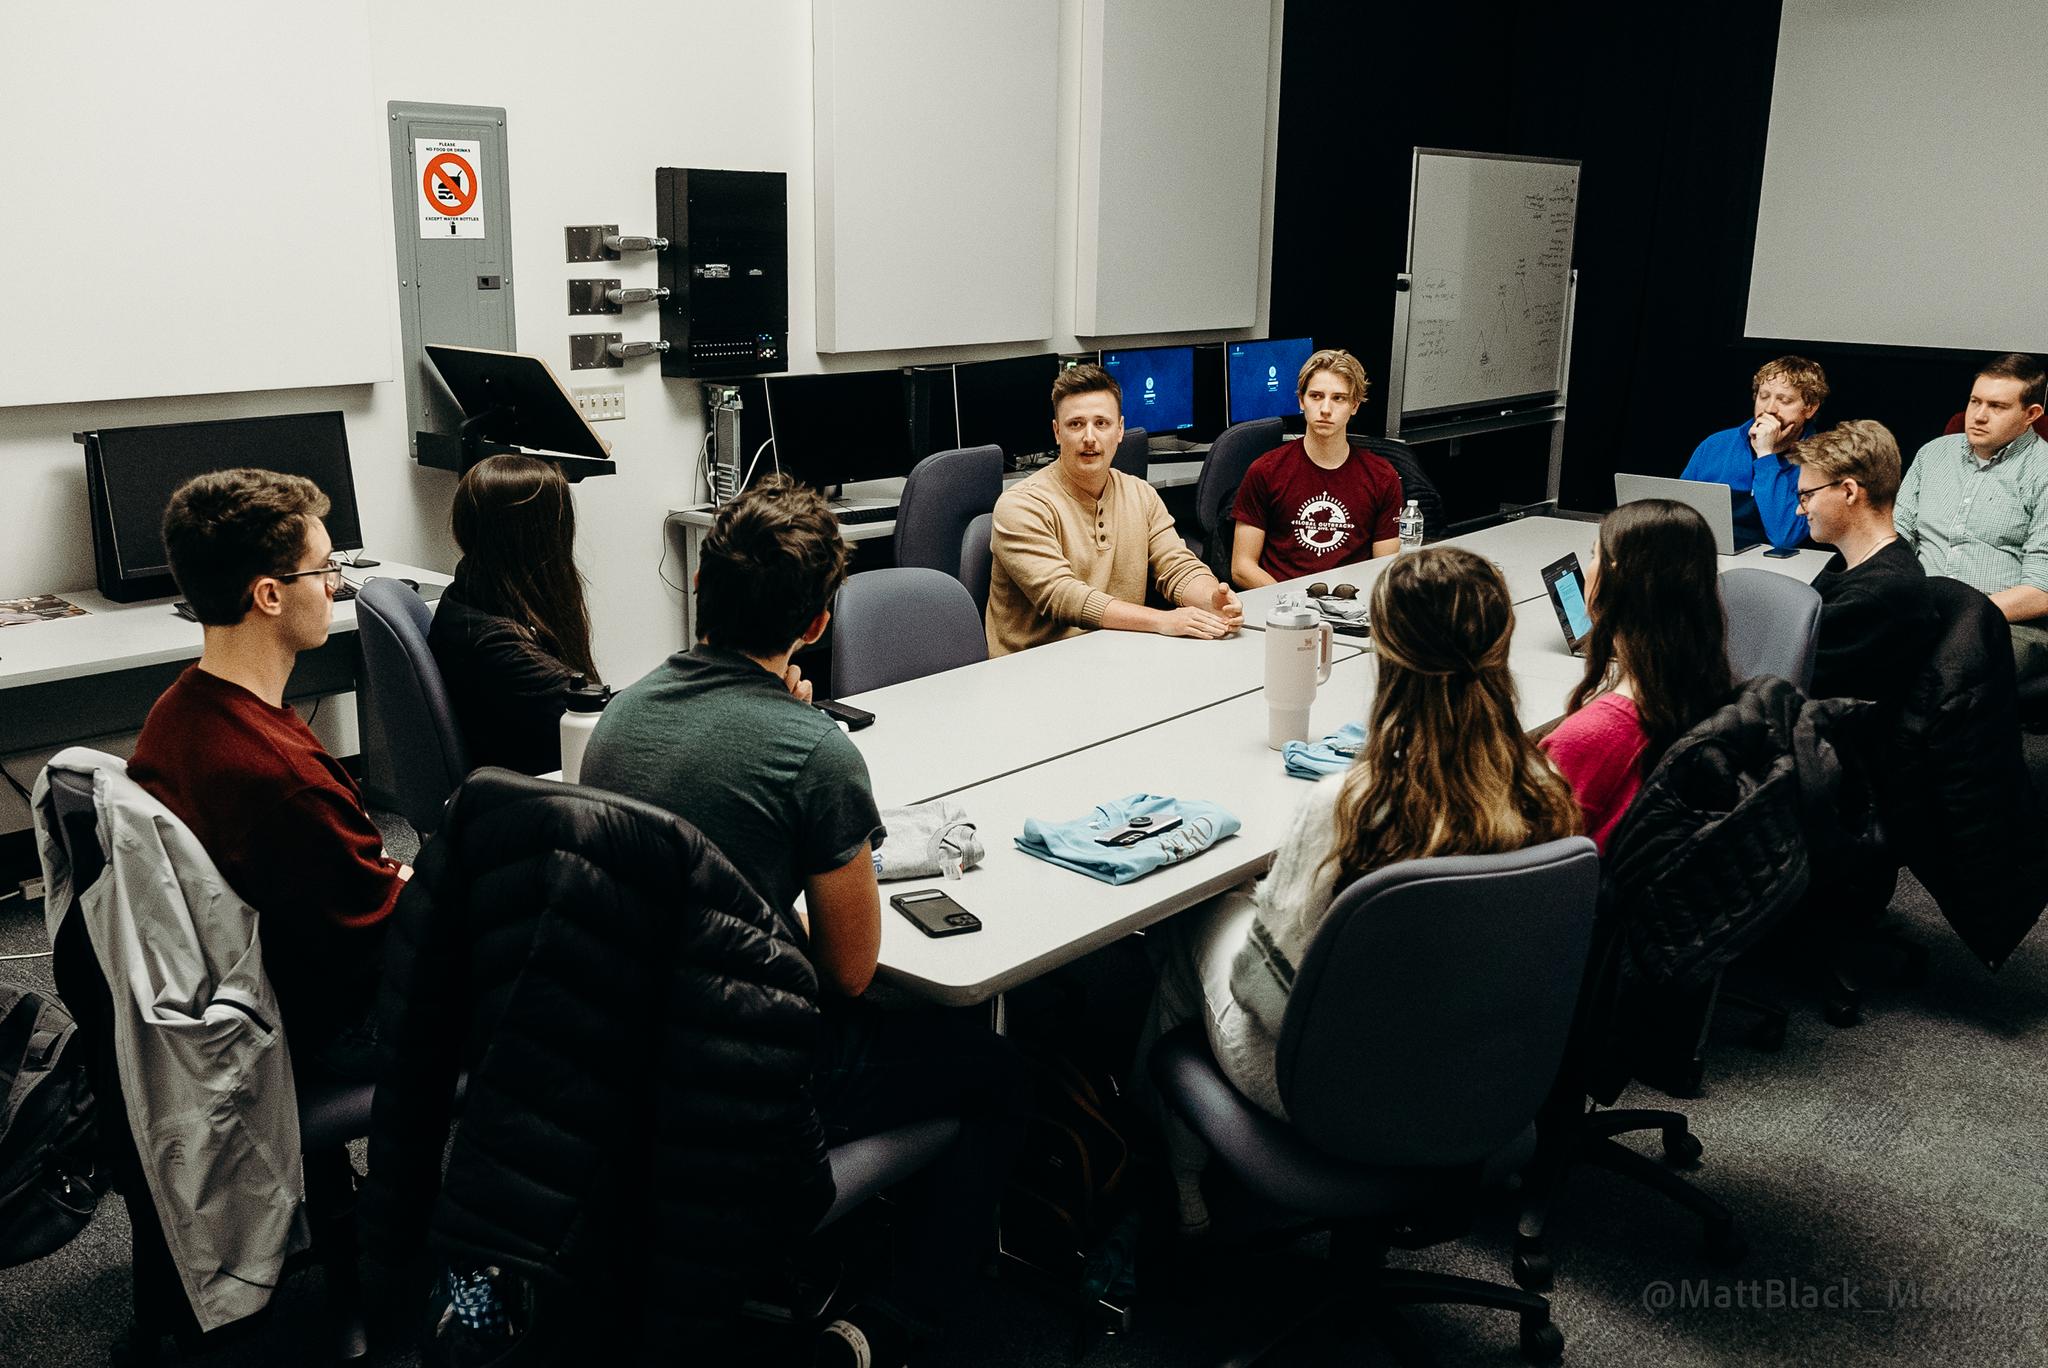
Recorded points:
(1750,458)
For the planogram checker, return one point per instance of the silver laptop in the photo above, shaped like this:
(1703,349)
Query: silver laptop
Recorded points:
(1715,503)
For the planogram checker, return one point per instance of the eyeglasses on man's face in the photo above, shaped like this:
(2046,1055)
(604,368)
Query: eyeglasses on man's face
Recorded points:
(329,568)
(1806,495)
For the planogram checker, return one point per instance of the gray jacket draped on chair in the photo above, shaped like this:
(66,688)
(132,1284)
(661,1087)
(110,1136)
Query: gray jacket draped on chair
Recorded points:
(203,1062)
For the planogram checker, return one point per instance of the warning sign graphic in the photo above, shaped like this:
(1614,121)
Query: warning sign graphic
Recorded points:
(449,187)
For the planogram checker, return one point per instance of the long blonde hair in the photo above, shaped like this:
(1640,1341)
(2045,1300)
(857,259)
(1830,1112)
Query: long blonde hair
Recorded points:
(1447,769)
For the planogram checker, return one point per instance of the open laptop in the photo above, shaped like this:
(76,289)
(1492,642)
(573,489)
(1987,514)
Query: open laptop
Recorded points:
(1715,502)
(1565,582)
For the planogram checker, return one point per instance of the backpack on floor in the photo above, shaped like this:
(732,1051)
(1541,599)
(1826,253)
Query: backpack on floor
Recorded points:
(1072,1179)
(49,1185)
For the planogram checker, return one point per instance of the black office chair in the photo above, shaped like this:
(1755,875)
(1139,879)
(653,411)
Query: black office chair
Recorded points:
(901,623)
(1133,454)
(1223,470)
(330,1116)
(522,870)
(944,493)
(977,559)
(1415,483)
(1426,1025)
(413,753)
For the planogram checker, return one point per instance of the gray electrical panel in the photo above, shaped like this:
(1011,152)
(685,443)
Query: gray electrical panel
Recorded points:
(453,210)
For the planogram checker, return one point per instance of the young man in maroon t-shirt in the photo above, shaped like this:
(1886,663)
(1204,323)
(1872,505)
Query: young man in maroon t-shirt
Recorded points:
(1316,503)
(280,817)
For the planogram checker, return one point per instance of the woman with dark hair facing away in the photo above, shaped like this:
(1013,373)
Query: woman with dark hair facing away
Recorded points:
(1656,659)
(512,631)
(1446,769)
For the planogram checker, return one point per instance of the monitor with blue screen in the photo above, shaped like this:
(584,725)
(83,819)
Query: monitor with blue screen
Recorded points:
(1263,375)
(1158,385)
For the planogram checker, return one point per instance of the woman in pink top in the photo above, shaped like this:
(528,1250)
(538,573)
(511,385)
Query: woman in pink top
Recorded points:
(1656,659)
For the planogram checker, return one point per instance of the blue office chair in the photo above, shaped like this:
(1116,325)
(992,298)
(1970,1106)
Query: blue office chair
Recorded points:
(330,1116)
(1133,455)
(944,493)
(1427,1022)
(1230,456)
(413,755)
(1773,625)
(898,624)
(977,559)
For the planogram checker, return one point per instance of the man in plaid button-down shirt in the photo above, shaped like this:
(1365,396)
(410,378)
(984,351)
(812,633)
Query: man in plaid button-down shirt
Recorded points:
(1975,504)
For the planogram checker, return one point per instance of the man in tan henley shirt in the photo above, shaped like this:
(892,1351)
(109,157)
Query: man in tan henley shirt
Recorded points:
(1075,544)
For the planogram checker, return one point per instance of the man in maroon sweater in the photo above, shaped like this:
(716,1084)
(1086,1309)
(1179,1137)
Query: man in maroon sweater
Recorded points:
(278,814)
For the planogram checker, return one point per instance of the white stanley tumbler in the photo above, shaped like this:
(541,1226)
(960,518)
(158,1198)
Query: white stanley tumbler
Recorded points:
(1298,644)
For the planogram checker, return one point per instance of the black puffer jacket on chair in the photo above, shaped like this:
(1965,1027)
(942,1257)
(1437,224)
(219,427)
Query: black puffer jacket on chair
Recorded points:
(637,1137)
(1723,838)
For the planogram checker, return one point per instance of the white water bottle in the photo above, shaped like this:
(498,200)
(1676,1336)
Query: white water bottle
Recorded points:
(1410,526)
(583,705)
(1298,644)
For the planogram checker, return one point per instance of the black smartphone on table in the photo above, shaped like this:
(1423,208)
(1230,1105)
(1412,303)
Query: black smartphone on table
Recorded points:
(1781,552)
(935,912)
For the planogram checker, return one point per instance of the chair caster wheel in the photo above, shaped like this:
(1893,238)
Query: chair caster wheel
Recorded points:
(1542,1342)
(1842,1014)
(1533,1271)
(1725,1248)
(1682,1149)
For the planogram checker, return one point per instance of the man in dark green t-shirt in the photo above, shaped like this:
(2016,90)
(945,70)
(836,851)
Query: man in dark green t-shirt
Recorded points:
(723,736)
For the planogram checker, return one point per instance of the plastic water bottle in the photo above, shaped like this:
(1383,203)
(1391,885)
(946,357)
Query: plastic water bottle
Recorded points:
(1411,526)
(584,704)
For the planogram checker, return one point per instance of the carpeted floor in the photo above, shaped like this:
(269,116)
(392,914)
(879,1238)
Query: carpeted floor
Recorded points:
(1891,1180)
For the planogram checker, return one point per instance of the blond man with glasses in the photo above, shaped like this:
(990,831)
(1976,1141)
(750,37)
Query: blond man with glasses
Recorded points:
(1876,624)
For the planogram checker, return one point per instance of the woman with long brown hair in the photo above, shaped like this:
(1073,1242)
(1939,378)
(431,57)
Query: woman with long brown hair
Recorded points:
(1445,770)
(1656,659)
(512,631)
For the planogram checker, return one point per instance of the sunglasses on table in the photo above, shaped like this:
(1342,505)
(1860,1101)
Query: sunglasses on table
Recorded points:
(1342,591)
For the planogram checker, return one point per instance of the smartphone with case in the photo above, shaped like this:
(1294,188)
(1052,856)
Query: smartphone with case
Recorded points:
(1781,552)
(854,718)
(935,912)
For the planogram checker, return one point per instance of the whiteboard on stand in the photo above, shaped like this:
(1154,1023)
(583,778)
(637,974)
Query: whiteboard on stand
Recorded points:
(1489,265)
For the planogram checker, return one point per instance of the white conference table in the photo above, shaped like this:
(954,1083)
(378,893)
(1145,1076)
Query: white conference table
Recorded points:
(1036,916)
(944,732)
(1052,732)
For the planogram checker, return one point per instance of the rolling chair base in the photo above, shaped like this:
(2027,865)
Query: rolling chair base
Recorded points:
(1721,1241)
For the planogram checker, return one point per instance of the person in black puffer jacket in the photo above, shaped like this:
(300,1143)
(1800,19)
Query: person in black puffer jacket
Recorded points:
(512,632)
(636,1137)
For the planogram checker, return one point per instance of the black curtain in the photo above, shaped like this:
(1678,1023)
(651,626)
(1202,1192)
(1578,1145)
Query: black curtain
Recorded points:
(1668,108)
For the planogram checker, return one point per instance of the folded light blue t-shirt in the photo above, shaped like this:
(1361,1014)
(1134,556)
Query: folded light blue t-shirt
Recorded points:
(1073,844)
(1331,755)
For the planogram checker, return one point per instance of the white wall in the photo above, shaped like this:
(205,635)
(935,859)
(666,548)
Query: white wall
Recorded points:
(1903,195)
(594,102)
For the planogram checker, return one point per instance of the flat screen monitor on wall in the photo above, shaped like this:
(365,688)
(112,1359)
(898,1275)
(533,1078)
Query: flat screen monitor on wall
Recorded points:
(1007,403)
(1262,376)
(841,427)
(131,473)
(1158,385)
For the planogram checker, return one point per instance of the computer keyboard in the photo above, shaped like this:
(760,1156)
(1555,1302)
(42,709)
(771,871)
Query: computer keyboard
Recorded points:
(867,513)
(347,591)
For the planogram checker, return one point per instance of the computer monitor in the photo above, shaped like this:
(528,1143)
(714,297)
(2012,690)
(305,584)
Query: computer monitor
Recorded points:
(1263,374)
(841,427)
(1007,403)
(1158,384)
(131,473)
